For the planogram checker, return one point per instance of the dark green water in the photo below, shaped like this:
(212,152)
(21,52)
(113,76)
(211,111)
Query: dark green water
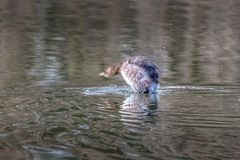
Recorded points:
(54,106)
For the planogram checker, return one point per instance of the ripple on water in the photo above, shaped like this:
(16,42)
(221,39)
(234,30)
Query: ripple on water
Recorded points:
(84,126)
(69,138)
(180,122)
(12,151)
(46,153)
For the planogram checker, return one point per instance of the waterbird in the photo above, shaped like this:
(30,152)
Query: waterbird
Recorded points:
(138,71)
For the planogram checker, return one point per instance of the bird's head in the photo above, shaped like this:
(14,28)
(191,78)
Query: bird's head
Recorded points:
(110,71)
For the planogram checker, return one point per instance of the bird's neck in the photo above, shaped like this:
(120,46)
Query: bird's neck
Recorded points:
(117,69)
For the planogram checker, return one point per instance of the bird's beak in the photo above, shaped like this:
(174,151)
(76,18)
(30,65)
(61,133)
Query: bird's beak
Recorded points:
(101,74)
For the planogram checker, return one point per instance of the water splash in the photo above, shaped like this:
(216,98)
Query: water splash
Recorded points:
(104,90)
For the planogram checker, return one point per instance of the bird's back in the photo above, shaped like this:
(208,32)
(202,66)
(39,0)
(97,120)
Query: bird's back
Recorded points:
(147,65)
(140,73)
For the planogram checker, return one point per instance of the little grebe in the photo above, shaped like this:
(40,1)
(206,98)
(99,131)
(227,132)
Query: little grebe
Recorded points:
(139,72)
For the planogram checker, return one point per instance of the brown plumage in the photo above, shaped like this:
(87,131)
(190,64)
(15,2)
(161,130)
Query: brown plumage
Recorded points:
(139,72)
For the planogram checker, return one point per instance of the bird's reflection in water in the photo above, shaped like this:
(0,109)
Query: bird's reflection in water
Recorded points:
(140,103)
(138,109)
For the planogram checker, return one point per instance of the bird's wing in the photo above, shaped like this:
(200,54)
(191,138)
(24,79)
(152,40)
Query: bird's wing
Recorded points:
(135,76)
(148,66)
